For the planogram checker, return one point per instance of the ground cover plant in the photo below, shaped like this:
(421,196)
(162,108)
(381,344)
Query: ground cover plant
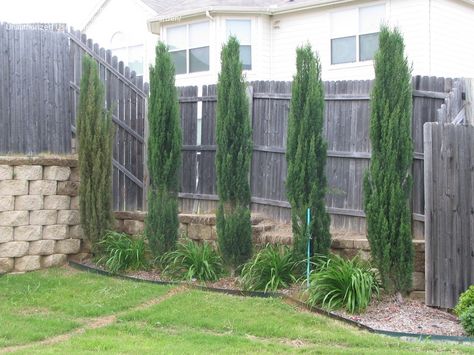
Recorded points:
(270,269)
(465,310)
(192,260)
(466,300)
(233,155)
(164,155)
(95,136)
(170,320)
(306,155)
(388,182)
(123,252)
(340,283)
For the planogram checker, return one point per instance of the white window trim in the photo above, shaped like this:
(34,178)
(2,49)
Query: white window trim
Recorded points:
(188,48)
(357,63)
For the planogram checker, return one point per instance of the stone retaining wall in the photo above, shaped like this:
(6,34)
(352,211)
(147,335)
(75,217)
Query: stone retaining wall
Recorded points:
(39,212)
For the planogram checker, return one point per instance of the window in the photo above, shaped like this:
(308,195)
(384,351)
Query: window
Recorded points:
(242,30)
(189,47)
(354,34)
(131,55)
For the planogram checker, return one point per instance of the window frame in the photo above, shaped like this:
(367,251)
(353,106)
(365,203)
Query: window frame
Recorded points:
(188,48)
(249,44)
(357,36)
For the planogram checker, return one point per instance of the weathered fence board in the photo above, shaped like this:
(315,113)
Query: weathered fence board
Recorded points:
(449,222)
(34,99)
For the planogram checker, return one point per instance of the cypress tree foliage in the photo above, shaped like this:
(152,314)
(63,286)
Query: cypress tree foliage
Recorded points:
(164,155)
(234,151)
(95,136)
(388,182)
(306,155)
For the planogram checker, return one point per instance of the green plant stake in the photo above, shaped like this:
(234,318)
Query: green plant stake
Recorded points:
(308,254)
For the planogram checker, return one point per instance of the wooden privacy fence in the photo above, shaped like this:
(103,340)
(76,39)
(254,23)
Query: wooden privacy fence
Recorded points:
(40,73)
(126,96)
(34,91)
(449,191)
(347,132)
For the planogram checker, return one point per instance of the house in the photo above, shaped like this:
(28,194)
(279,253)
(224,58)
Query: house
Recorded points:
(121,26)
(438,35)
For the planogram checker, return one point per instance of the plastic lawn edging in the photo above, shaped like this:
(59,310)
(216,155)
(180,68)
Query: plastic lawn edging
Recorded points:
(260,294)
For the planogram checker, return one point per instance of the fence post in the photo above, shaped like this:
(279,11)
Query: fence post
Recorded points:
(428,179)
(146,179)
(469,85)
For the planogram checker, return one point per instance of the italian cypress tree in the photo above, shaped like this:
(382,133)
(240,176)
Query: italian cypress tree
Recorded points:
(388,182)
(306,156)
(95,135)
(164,154)
(234,151)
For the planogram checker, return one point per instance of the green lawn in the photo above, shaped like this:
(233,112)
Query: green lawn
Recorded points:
(158,319)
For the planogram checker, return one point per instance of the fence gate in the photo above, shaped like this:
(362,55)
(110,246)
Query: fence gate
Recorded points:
(449,212)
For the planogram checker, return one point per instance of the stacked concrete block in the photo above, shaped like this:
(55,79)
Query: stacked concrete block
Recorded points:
(39,212)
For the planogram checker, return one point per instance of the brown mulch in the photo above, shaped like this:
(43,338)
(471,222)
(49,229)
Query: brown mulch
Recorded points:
(384,313)
(408,316)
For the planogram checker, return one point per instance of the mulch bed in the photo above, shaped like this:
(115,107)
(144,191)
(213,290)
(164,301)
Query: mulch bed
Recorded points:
(384,313)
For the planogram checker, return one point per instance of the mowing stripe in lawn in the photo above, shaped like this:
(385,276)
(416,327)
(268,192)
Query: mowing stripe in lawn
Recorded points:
(95,323)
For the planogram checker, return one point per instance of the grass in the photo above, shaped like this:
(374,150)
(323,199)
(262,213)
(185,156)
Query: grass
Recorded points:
(187,321)
(37,305)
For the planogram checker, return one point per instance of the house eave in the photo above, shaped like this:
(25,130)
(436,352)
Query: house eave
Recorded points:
(269,11)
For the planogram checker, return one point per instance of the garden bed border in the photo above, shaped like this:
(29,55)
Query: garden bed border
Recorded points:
(271,294)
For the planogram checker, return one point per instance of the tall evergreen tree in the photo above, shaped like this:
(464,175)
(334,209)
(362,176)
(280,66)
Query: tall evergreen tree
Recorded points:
(234,151)
(306,155)
(164,155)
(388,182)
(94,134)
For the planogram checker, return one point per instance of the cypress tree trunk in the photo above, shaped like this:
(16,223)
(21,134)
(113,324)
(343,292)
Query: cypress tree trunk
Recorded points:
(306,156)
(388,182)
(234,151)
(164,154)
(94,134)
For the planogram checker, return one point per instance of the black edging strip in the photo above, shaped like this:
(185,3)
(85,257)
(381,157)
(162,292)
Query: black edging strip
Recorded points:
(260,294)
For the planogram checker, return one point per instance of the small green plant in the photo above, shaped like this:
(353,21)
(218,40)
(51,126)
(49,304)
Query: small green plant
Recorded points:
(466,300)
(122,252)
(193,261)
(467,320)
(341,283)
(271,268)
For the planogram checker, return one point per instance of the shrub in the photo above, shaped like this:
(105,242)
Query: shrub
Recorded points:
(341,283)
(193,261)
(387,183)
(271,268)
(466,300)
(122,252)
(94,134)
(234,151)
(164,155)
(306,155)
(467,320)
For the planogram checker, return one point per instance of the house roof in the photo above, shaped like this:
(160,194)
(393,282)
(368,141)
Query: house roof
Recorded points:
(171,9)
(167,9)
